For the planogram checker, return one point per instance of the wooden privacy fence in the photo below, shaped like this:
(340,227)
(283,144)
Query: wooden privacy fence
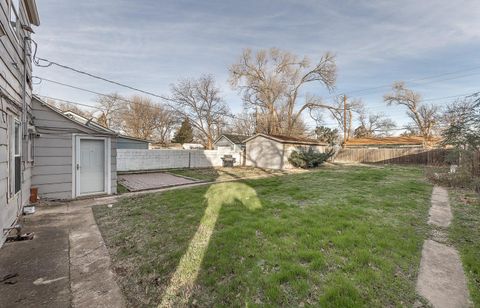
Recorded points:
(393,156)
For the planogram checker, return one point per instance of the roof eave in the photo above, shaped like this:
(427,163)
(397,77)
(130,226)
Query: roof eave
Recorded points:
(32,12)
(100,131)
(284,141)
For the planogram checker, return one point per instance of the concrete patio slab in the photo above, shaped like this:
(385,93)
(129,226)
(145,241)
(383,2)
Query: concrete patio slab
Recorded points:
(153,180)
(66,265)
(42,264)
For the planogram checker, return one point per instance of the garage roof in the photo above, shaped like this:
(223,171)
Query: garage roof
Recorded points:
(288,139)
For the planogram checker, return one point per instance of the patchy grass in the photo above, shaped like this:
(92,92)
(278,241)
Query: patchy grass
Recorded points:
(121,189)
(465,235)
(336,237)
(222,174)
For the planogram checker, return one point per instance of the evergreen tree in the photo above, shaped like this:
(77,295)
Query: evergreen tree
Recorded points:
(184,134)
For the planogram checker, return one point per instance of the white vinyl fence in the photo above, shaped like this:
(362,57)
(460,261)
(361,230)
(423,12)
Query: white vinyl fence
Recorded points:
(138,160)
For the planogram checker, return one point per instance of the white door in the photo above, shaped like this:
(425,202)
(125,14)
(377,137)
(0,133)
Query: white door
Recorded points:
(91,171)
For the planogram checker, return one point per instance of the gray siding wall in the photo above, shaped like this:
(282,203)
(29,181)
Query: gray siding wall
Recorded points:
(264,153)
(224,142)
(53,169)
(124,143)
(11,80)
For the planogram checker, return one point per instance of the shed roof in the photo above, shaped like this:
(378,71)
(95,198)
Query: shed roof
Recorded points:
(288,139)
(401,140)
(87,124)
(237,139)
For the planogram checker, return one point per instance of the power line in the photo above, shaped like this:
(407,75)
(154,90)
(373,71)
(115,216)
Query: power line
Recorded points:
(50,63)
(470,94)
(421,79)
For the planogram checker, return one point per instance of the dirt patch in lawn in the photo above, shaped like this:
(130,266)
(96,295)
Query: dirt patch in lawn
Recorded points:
(225,174)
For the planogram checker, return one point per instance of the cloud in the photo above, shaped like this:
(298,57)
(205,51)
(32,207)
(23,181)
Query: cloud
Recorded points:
(154,43)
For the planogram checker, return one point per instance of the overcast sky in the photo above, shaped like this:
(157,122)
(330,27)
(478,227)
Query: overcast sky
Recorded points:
(151,44)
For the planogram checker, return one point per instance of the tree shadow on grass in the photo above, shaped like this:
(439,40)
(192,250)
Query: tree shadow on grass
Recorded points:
(181,284)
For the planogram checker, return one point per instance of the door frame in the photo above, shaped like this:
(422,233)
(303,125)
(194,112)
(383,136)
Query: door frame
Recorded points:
(107,163)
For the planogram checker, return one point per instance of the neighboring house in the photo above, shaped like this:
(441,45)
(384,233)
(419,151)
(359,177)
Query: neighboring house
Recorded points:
(392,142)
(192,146)
(272,151)
(16,19)
(72,158)
(232,142)
(127,142)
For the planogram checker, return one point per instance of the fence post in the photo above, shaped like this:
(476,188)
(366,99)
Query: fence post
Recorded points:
(189,159)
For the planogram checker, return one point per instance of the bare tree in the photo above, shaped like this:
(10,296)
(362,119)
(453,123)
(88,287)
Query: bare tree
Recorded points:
(64,107)
(425,117)
(142,118)
(167,121)
(243,123)
(270,82)
(374,124)
(200,101)
(111,108)
(337,113)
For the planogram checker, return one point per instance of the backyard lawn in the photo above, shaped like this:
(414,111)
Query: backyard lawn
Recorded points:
(339,236)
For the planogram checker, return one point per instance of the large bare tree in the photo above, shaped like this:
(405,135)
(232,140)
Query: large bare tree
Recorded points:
(345,119)
(142,118)
(424,117)
(201,102)
(271,82)
(243,123)
(374,124)
(110,110)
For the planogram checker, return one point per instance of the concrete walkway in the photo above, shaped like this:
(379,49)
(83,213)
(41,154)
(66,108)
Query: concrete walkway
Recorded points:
(65,265)
(441,279)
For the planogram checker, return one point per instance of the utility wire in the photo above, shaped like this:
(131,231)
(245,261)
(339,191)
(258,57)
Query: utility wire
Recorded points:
(371,107)
(416,80)
(50,63)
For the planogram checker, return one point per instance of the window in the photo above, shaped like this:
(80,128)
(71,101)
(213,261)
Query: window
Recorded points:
(15,157)
(15,15)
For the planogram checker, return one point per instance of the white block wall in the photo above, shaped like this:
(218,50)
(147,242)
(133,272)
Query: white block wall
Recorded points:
(137,160)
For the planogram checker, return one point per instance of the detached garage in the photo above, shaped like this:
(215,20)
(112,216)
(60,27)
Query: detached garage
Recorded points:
(272,151)
(71,158)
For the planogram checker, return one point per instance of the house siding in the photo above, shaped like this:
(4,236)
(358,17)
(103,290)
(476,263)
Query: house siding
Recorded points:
(224,142)
(12,68)
(54,152)
(262,152)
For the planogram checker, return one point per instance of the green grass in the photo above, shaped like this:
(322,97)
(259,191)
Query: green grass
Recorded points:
(465,235)
(337,237)
(121,189)
(205,174)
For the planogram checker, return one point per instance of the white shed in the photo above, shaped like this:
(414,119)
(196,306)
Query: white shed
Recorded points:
(71,159)
(272,151)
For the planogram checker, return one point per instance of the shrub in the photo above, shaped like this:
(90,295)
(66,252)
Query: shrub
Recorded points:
(309,159)
(462,178)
